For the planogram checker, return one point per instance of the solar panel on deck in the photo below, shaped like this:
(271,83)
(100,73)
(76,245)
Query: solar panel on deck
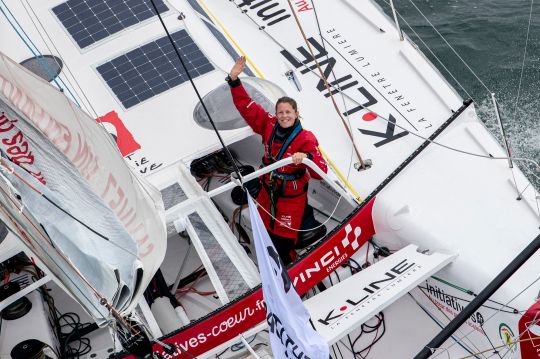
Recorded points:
(89,21)
(153,68)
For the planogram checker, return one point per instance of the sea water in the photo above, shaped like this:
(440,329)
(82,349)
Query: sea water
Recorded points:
(490,36)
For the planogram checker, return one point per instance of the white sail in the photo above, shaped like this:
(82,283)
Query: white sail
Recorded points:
(98,227)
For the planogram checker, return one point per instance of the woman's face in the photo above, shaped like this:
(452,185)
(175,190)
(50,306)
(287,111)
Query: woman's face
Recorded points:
(286,114)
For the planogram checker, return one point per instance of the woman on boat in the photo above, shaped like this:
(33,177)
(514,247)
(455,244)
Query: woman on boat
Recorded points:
(284,195)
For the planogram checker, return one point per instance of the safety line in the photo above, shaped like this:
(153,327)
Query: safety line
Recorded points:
(175,47)
(524,57)
(450,46)
(500,309)
(340,175)
(536,164)
(203,4)
(57,54)
(338,172)
(38,58)
(347,129)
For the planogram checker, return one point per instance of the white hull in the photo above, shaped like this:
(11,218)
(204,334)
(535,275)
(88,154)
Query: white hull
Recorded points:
(442,201)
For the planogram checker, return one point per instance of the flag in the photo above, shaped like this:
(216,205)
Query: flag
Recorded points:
(291,333)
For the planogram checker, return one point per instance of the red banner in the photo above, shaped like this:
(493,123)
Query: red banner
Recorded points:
(124,139)
(529,331)
(246,313)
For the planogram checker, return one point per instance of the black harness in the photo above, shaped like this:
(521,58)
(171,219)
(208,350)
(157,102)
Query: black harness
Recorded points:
(275,189)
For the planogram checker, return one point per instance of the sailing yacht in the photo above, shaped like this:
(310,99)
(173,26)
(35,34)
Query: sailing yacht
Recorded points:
(125,228)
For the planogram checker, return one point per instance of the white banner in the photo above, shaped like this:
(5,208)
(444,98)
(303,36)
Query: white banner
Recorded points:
(291,334)
(101,228)
(339,310)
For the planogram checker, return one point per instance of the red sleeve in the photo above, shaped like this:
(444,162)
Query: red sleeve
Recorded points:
(310,146)
(254,114)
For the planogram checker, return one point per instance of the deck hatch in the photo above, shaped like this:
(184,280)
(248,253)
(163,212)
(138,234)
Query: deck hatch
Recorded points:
(88,21)
(153,68)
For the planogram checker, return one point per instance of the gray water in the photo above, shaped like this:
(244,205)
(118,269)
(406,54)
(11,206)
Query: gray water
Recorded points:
(490,36)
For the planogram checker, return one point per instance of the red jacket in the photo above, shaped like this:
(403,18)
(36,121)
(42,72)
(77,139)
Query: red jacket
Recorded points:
(291,202)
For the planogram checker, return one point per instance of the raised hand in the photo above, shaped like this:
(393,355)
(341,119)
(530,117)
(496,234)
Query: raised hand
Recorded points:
(237,68)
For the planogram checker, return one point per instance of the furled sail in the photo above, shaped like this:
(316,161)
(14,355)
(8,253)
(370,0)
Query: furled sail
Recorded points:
(67,193)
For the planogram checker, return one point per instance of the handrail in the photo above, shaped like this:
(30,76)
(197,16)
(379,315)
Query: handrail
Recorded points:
(282,163)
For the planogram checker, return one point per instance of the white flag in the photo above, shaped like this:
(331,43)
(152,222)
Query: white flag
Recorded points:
(291,334)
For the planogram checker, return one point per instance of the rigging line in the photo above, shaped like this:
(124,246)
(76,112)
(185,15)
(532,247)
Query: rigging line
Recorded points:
(96,293)
(471,343)
(109,139)
(448,71)
(344,107)
(490,343)
(445,146)
(300,230)
(58,53)
(468,301)
(524,57)
(205,7)
(506,304)
(438,322)
(500,346)
(25,182)
(4,164)
(53,75)
(225,148)
(431,52)
(396,124)
(349,133)
(531,324)
(90,228)
(373,86)
(258,72)
(327,59)
(450,46)
(470,292)
(219,68)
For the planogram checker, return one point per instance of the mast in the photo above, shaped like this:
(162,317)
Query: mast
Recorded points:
(484,295)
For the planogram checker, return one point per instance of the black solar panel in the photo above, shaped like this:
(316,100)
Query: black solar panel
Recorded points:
(153,68)
(89,21)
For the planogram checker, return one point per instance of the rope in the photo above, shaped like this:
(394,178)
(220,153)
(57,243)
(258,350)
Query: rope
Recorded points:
(53,75)
(451,48)
(524,57)
(108,138)
(327,158)
(461,86)
(502,346)
(342,95)
(440,324)
(499,310)
(299,230)
(471,343)
(533,323)
(225,148)
(102,299)
(431,52)
(396,124)
(94,112)
(470,292)
(349,133)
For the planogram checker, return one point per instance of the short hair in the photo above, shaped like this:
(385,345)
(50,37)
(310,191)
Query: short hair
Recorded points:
(288,100)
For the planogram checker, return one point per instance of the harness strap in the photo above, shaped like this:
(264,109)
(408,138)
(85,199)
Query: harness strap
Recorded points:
(273,192)
(296,130)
